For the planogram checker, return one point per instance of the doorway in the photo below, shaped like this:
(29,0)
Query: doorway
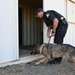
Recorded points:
(20,26)
(30,28)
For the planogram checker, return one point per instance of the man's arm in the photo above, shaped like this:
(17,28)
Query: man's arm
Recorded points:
(48,31)
(55,24)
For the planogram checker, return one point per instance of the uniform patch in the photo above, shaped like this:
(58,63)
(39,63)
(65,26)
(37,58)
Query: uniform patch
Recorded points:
(62,18)
(47,15)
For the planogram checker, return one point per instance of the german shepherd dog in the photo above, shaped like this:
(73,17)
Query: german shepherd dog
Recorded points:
(35,51)
(52,51)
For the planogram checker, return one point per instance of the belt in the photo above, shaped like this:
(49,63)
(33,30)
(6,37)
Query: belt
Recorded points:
(63,20)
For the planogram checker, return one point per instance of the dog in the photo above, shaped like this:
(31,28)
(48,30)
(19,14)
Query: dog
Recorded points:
(52,51)
(35,50)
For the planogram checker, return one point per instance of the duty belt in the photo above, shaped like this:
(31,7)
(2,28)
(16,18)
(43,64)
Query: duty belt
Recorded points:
(63,20)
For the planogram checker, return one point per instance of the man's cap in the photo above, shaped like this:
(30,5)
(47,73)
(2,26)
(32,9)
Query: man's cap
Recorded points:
(37,11)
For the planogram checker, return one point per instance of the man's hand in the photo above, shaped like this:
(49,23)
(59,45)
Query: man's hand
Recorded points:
(53,33)
(48,35)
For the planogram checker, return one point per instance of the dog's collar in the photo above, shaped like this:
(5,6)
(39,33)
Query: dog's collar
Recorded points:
(41,48)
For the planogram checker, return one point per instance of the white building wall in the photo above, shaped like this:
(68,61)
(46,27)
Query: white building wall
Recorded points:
(70,37)
(8,30)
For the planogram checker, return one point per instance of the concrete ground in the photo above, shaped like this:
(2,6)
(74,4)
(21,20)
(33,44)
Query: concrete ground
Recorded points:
(22,60)
(43,69)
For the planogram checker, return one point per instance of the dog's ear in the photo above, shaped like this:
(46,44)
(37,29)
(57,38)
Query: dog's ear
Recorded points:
(36,48)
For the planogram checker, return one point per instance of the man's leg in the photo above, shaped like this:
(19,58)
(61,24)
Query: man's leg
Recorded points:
(60,33)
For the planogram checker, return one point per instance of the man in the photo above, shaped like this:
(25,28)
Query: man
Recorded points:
(54,21)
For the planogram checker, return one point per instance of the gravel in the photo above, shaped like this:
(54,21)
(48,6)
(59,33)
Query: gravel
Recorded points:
(42,69)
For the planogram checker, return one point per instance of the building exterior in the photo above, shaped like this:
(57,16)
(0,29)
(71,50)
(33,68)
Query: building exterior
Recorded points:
(9,25)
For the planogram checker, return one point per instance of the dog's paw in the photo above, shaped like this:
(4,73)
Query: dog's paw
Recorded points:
(37,63)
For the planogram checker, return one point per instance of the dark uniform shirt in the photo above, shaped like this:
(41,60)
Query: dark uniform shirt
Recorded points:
(50,15)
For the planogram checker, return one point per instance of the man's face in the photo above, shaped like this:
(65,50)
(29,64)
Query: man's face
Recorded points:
(40,14)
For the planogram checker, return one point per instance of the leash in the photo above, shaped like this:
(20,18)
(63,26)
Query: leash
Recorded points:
(49,40)
(48,46)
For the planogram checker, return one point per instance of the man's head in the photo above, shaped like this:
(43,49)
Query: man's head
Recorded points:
(39,13)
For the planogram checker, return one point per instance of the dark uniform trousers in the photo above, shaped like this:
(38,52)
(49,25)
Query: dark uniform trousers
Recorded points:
(60,33)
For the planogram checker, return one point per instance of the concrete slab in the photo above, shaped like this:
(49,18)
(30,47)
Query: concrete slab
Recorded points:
(22,60)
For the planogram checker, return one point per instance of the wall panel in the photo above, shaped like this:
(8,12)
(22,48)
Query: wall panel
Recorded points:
(70,36)
(70,11)
(73,12)
(8,30)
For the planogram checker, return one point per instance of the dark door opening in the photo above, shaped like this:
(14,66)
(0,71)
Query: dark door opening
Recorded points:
(20,26)
(30,28)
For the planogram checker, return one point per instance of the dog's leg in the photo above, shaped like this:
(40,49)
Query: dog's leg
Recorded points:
(66,57)
(49,58)
(42,60)
(46,61)
(73,61)
(63,59)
